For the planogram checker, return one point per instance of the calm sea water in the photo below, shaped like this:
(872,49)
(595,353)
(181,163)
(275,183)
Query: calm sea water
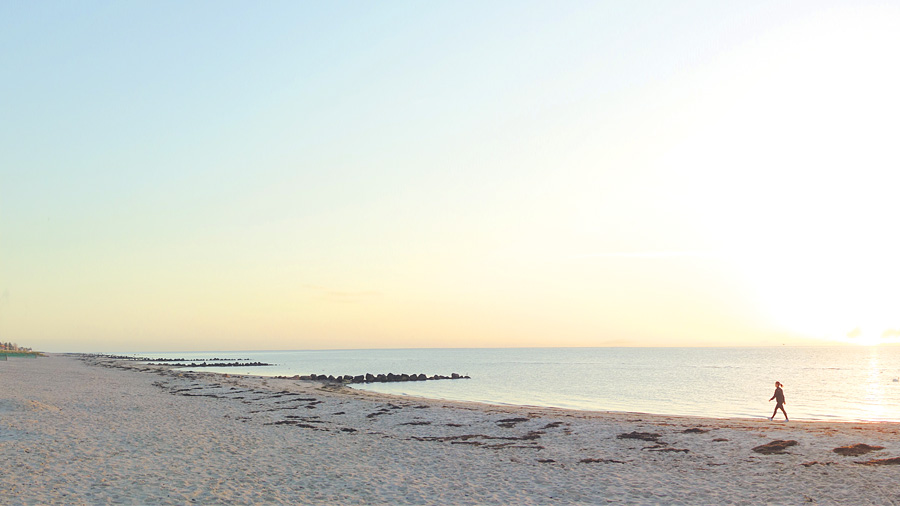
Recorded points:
(827,383)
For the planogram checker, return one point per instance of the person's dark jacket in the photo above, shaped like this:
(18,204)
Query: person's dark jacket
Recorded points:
(778,395)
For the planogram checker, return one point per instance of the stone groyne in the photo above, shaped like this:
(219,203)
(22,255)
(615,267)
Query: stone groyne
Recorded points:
(214,364)
(374,378)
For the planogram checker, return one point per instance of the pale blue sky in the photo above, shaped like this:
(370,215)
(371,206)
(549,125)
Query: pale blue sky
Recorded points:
(344,174)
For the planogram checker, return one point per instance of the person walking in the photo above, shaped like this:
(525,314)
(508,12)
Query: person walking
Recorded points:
(779,404)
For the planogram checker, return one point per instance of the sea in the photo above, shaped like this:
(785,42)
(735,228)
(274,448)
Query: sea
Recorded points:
(840,383)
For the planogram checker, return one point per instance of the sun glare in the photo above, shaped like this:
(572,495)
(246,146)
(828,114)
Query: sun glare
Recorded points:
(794,177)
(837,295)
(869,340)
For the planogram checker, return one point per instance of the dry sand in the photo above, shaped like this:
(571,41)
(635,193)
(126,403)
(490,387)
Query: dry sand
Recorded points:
(80,430)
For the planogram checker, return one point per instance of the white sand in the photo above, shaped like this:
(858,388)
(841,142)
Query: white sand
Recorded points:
(75,433)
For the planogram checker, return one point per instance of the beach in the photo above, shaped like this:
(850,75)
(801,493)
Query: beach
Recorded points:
(89,430)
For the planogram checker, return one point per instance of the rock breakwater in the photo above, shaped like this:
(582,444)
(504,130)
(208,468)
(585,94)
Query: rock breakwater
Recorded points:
(374,378)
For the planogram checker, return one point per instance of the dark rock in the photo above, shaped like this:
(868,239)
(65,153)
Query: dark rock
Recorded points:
(381,378)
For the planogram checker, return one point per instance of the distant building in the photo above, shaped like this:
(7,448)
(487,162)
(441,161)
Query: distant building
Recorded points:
(12,347)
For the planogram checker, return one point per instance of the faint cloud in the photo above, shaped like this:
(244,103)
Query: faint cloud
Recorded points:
(891,333)
(344,296)
(853,334)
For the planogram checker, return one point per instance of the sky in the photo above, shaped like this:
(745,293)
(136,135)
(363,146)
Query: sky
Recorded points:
(326,175)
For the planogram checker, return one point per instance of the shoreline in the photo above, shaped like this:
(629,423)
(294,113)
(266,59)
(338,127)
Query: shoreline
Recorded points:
(76,429)
(487,404)
(709,382)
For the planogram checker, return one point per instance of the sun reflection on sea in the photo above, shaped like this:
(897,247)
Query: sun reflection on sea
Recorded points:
(874,405)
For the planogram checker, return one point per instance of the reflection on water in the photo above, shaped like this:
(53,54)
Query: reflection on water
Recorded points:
(874,403)
(826,383)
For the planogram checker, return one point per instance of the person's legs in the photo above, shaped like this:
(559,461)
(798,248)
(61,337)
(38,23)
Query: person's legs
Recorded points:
(777,407)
